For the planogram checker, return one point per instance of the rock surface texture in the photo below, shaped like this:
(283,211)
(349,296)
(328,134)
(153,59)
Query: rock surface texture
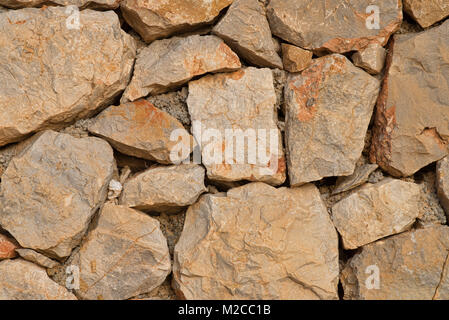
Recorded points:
(41,56)
(372,58)
(258,242)
(242,102)
(328,109)
(7,248)
(412,119)
(51,190)
(125,255)
(427,12)
(295,59)
(168,64)
(334,25)
(91,4)
(411,266)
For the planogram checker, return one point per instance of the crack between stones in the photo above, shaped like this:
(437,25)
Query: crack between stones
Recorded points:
(442,275)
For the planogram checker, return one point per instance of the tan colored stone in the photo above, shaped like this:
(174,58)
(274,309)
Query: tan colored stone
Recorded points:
(411,128)
(243,100)
(125,255)
(360,176)
(372,58)
(164,189)
(51,190)
(52,75)
(141,130)
(258,242)
(7,247)
(156,19)
(427,12)
(245,29)
(170,63)
(411,266)
(376,211)
(295,59)
(23,280)
(333,25)
(37,258)
(443,183)
(91,4)
(328,109)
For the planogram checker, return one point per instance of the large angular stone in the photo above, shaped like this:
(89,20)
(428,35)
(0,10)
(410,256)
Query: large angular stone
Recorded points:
(92,4)
(125,255)
(376,211)
(164,189)
(52,75)
(141,130)
(23,280)
(427,12)
(51,190)
(334,25)
(242,104)
(328,109)
(443,183)
(155,19)
(409,266)
(245,29)
(258,242)
(7,247)
(168,64)
(412,118)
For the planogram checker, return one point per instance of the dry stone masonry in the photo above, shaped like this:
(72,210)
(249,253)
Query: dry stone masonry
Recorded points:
(224,149)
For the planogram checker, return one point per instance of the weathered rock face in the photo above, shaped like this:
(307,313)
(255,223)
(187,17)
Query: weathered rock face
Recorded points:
(164,189)
(7,247)
(125,255)
(245,29)
(376,211)
(92,4)
(411,265)
(51,190)
(23,280)
(412,119)
(242,102)
(333,26)
(360,176)
(169,63)
(141,130)
(328,109)
(372,58)
(37,258)
(427,12)
(295,59)
(155,19)
(258,242)
(52,74)
(443,183)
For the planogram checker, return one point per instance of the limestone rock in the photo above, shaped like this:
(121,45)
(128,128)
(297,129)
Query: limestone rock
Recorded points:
(443,183)
(372,58)
(427,12)
(295,59)
(258,242)
(7,247)
(360,176)
(92,4)
(245,29)
(412,119)
(328,109)
(411,266)
(334,25)
(125,255)
(164,189)
(51,190)
(52,75)
(225,108)
(376,211)
(37,258)
(155,19)
(169,63)
(141,130)
(23,280)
